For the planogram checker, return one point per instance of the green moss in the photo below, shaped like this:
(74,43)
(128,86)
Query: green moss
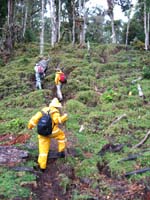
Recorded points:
(86,168)
(97,93)
(88,98)
(10,184)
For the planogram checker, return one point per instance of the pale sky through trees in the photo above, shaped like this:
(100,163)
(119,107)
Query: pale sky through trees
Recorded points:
(118,14)
(117,10)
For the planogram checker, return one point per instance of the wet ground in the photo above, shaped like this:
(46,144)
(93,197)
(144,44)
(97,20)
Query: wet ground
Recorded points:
(59,181)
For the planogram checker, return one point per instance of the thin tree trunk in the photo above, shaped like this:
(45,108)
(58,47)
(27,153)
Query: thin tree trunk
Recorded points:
(53,22)
(42,30)
(128,26)
(59,22)
(82,31)
(73,27)
(9,38)
(84,23)
(111,15)
(113,30)
(10,7)
(146,27)
(25,19)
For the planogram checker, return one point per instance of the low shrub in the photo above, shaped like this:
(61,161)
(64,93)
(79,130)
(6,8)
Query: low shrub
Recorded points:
(146,72)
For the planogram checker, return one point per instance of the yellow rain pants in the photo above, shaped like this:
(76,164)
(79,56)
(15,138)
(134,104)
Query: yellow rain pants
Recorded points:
(44,146)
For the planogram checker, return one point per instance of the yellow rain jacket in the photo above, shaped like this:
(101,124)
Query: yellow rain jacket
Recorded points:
(57,133)
(57,77)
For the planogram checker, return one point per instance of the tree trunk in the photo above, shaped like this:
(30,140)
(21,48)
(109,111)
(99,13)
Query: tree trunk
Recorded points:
(113,30)
(84,23)
(73,26)
(146,22)
(42,30)
(82,30)
(53,22)
(111,15)
(9,43)
(81,27)
(25,19)
(59,16)
(128,26)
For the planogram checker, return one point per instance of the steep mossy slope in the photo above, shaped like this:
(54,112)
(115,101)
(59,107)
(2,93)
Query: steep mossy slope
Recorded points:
(101,96)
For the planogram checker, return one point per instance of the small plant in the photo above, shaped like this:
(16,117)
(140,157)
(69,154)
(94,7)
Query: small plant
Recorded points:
(24,61)
(1,62)
(146,72)
(64,182)
(16,124)
(88,98)
(109,95)
(29,36)
(133,90)
(137,44)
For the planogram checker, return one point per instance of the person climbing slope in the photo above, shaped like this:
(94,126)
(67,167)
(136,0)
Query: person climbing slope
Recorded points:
(60,79)
(45,141)
(40,70)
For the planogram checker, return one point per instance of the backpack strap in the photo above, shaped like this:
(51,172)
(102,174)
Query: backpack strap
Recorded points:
(43,113)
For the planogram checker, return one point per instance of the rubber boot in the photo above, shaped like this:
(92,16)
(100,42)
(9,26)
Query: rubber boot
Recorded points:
(61,154)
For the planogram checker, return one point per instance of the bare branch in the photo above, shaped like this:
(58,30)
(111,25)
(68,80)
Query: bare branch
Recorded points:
(118,119)
(142,141)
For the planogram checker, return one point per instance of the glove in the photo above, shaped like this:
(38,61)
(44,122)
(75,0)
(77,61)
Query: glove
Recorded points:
(30,126)
(66,115)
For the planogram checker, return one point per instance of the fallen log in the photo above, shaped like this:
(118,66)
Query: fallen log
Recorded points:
(36,171)
(133,156)
(130,157)
(142,141)
(11,155)
(110,148)
(139,171)
(118,119)
(26,169)
(135,80)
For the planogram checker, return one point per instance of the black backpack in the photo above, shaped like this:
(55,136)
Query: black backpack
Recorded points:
(44,126)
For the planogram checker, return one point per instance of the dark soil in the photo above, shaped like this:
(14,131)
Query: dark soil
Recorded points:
(49,185)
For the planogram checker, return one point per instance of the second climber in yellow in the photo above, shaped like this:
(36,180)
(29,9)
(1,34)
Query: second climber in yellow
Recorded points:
(45,141)
(60,79)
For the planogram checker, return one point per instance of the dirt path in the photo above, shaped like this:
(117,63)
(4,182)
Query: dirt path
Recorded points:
(49,183)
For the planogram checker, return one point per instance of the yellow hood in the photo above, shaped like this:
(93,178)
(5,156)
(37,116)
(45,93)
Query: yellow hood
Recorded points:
(55,103)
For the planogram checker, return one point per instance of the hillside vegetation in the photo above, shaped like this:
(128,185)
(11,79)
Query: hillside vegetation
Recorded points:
(102,98)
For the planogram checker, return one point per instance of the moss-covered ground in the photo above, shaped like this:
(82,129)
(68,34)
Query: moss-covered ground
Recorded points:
(102,98)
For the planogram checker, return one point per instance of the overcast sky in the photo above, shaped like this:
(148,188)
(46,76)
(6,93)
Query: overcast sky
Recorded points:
(103,3)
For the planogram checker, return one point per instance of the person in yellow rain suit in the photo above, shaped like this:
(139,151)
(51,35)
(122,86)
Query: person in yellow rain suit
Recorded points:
(59,83)
(57,133)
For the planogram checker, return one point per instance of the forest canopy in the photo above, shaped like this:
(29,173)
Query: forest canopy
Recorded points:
(65,21)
